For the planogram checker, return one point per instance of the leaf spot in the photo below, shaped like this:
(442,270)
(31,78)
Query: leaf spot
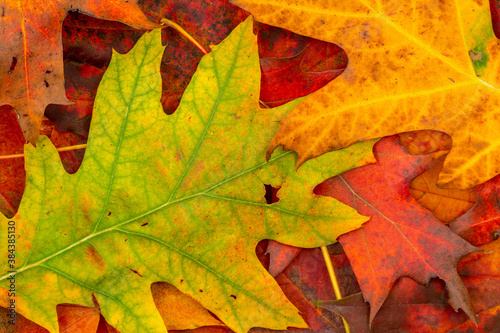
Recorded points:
(13,64)
(475,56)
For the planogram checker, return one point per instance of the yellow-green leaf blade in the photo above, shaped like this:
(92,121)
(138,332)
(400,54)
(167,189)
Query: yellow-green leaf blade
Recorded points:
(176,198)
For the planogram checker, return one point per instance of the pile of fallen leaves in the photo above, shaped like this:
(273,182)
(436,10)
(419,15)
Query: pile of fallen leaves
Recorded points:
(147,186)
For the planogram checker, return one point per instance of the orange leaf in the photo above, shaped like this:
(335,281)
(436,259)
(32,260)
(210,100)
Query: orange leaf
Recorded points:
(77,319)
(31,63)
(180,311)
(445,204)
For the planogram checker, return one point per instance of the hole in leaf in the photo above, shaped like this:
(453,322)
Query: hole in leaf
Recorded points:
(496,234)
(13,63)
(46,83)
(144,224)
(233,296)
(293,65)
(109,214)
(271,194)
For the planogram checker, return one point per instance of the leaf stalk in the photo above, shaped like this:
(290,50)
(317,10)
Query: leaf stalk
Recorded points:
(168,23)
(333,278)
(75,147)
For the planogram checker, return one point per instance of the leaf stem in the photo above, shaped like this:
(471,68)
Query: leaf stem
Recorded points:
(75,147)
(168,23)
(333,278)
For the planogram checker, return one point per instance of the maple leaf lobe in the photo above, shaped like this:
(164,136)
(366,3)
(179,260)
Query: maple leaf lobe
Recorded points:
(409,69)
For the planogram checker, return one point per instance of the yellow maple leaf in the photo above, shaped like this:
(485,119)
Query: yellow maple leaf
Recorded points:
(422,64)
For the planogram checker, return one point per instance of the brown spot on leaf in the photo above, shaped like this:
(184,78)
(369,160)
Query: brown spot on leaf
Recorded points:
(93,256)
(475,56)
(13,64)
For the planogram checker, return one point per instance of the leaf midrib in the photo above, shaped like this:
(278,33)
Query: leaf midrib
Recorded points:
(151,211)
(121,136)
(116,227)
(222,91)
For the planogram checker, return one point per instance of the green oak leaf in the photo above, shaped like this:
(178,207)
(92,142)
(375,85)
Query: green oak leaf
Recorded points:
(176,198)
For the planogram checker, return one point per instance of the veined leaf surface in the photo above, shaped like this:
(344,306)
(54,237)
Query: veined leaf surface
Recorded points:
(31,67)
(176,198)
(412,65)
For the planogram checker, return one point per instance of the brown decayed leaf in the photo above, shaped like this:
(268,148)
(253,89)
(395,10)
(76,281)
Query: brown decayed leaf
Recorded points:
(31,64)
(410,68)
(401,238)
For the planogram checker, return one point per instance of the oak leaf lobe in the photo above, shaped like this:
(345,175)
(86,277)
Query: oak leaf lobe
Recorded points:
(187,208)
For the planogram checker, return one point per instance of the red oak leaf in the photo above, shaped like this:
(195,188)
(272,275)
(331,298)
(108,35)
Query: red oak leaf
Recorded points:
(411,307)
(402,238)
